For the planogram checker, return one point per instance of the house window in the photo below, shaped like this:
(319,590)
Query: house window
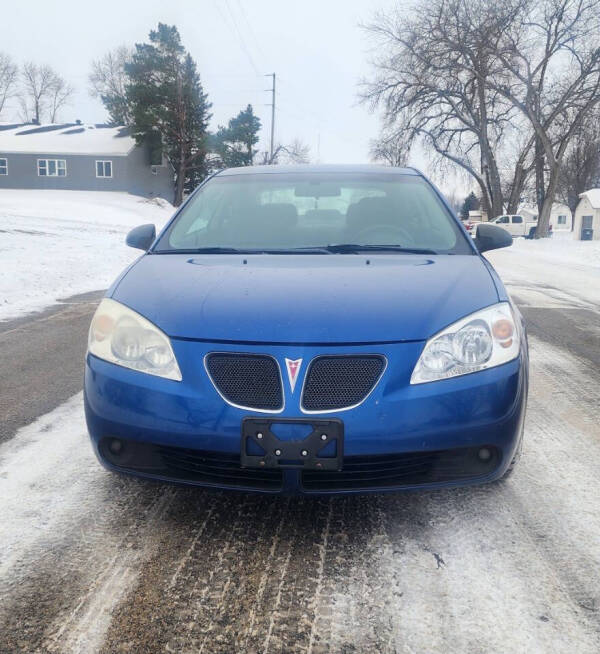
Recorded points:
(103,168)
(52,168)
(562,220)
(3,166)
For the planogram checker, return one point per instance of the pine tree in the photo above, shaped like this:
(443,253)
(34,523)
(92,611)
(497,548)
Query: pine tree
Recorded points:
(234,144)
(471,203)
(167,99)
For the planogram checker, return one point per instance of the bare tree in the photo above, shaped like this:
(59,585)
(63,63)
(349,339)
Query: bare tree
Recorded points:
(108,81)
(550,71)
(519,164)
(454,200)
(60,95)
(38,91)
(431,83)
(580,168)
(390,150)
(8,78)
(296,152)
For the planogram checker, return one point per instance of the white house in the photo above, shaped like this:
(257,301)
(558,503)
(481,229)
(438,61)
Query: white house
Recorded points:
(478,215)
(587,216)
(560,216)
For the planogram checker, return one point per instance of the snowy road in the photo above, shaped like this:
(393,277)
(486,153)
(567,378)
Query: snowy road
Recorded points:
(93,562)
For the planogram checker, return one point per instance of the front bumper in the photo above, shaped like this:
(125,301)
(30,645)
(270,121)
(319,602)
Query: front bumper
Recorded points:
(400,437)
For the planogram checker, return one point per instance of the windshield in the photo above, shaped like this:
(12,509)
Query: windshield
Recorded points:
(282,212)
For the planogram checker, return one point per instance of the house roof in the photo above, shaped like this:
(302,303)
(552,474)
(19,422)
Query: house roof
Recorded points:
(532,210)
(66,138)
(593,195)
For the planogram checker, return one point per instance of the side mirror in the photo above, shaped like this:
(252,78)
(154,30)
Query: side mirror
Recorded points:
(141,237)
(490,237)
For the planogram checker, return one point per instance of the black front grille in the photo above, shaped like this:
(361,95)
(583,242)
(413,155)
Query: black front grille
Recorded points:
(247,380)
(187,465)
(338,382)
(398,470)
(218,469)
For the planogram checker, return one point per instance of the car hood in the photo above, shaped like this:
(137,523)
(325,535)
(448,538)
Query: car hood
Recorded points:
(335,298)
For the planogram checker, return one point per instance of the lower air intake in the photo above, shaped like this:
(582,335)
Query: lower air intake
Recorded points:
(219,469)
(391,471)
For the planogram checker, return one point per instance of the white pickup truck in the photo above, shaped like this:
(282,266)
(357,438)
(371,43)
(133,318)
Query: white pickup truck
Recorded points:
(516,225)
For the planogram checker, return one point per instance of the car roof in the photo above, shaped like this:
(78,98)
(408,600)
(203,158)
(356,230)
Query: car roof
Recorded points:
(319,168)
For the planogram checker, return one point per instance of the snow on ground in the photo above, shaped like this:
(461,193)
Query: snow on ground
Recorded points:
(54,244)
(560,248)
(552,271)
(49,484)
(95,562)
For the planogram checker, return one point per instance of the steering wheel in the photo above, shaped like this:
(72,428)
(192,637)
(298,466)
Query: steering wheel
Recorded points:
(373,234)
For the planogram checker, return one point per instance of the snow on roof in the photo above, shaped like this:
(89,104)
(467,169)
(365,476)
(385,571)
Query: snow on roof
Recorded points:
(593,195)
(557,207)
(67,138)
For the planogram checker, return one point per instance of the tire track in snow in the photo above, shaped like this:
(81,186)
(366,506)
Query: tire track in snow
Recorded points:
(70,542)
(232,588)
(561,474)
(177,569)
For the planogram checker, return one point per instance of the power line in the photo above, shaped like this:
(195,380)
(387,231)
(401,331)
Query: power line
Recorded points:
(240,37)
(338,135)
(307,114)
(250,29)
(229,75)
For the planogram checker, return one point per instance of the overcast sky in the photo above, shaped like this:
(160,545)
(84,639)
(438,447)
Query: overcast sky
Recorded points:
(316,47)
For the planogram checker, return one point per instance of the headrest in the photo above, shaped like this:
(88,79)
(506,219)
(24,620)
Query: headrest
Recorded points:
(327,216)
(276,215)
(371,211)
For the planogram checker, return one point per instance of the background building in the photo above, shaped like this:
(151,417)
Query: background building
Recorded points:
(560,216)
(81,157)
(587,216)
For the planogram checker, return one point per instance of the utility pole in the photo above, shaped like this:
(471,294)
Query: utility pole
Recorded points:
(272,117)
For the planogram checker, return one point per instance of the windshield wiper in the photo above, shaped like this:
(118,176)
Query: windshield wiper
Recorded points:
(228,250)
(210,250)
(336,248)
(355,247)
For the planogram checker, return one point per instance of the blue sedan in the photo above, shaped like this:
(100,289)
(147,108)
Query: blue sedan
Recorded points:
(310,329)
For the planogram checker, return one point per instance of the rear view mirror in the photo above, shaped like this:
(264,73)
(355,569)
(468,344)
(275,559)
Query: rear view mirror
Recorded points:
(141,237)
(317,190)
(490,237)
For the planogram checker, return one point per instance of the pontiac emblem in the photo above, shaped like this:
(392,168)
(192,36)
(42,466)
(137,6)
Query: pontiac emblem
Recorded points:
(293,369)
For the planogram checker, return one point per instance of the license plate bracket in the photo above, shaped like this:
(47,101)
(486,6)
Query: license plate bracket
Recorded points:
(303,454)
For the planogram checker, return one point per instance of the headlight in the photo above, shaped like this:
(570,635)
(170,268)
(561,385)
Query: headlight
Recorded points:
(482,340)
(122,336)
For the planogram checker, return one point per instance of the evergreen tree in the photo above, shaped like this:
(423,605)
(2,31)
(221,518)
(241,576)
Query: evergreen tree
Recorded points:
(471,203)
(166,98)
(234,144)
